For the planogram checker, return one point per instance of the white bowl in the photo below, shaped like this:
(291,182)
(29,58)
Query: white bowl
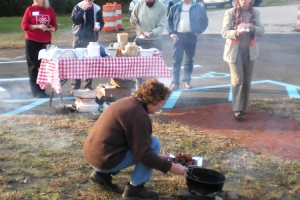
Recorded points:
(146,52)
(68,54)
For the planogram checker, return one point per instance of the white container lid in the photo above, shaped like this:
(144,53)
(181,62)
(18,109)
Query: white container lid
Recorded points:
(94,43)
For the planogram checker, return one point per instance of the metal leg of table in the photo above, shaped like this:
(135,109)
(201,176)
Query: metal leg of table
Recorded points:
(62,82)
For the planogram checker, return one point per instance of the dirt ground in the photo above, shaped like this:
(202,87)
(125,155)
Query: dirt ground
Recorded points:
(260,130)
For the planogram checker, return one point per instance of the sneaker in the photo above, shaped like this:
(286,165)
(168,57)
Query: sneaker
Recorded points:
(174,87)
(138,192)
(104,179)
(187,86)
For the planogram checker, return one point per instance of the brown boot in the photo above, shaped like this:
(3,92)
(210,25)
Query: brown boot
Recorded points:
(104,179)
(138,193)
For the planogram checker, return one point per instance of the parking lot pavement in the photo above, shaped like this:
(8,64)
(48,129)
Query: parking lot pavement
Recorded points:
(274,76)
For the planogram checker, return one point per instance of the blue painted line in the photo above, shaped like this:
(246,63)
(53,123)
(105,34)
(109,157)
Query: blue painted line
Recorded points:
(13,79)
(36,102)
(290,89)
(230,94)
(25,108)
(195,66)
(22,61)
(26,100)
(172,99)
(212,74)
(292,92)
(176,94)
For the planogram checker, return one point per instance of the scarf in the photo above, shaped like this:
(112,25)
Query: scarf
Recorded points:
(237,19)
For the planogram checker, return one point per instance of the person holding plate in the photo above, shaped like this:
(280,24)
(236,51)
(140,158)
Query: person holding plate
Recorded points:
(241,25)
(118,141)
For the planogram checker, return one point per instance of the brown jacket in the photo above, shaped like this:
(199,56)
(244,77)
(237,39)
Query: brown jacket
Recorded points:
(230,51)
(124,125)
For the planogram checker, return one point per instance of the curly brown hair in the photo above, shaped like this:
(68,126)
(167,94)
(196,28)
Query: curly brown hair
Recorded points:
(152,91)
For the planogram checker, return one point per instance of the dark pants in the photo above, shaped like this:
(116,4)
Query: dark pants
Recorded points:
(32,49)
(146,44)
(87,84)
(186,44)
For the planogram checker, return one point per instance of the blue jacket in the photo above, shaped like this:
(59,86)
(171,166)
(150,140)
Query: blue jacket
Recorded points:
(79,20)
(198,18)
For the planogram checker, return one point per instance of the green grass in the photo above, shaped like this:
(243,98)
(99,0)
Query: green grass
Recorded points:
(13,24)
(10,24)
(278,2)
(12,36)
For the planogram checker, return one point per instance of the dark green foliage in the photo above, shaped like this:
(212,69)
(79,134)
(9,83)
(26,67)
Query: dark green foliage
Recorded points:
(61,7)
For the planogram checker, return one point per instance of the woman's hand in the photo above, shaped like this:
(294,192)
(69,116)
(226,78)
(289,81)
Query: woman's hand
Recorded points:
(178,169)
(43,27)
(50,29)
(248,26)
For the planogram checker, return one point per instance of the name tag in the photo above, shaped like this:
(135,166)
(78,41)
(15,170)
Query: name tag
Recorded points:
(35,13)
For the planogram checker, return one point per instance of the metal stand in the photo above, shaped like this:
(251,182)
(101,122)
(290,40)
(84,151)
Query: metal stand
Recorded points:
(62,82)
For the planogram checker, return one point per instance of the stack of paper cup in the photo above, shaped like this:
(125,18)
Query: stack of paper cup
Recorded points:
(97,25)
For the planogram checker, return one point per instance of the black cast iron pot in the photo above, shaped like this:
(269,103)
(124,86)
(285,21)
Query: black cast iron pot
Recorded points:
(204,181)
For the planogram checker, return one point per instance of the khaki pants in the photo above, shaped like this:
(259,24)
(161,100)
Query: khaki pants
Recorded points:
(241,76)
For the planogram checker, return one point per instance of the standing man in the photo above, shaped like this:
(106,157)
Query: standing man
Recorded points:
(84,16)
(186,20)
(150,17)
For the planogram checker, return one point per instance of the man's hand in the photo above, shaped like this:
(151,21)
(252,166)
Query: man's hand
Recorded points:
(178,169)
(174,37)
(148,34)
(132,21)
(85,5)
(96,29)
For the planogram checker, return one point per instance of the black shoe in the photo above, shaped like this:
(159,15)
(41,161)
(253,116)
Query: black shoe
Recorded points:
(238,116)
(104,179)
(138,192)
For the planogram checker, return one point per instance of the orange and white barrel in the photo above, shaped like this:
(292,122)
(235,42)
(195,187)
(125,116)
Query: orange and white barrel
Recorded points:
(298,20)
(109,17)
(119,16)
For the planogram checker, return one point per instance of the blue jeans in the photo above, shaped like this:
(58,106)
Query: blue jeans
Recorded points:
(141,173)
(186,43)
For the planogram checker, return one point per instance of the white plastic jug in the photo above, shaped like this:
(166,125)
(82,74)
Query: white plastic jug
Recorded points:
(93,49)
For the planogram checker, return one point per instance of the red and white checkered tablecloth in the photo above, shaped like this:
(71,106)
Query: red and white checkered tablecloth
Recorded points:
(51,72)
